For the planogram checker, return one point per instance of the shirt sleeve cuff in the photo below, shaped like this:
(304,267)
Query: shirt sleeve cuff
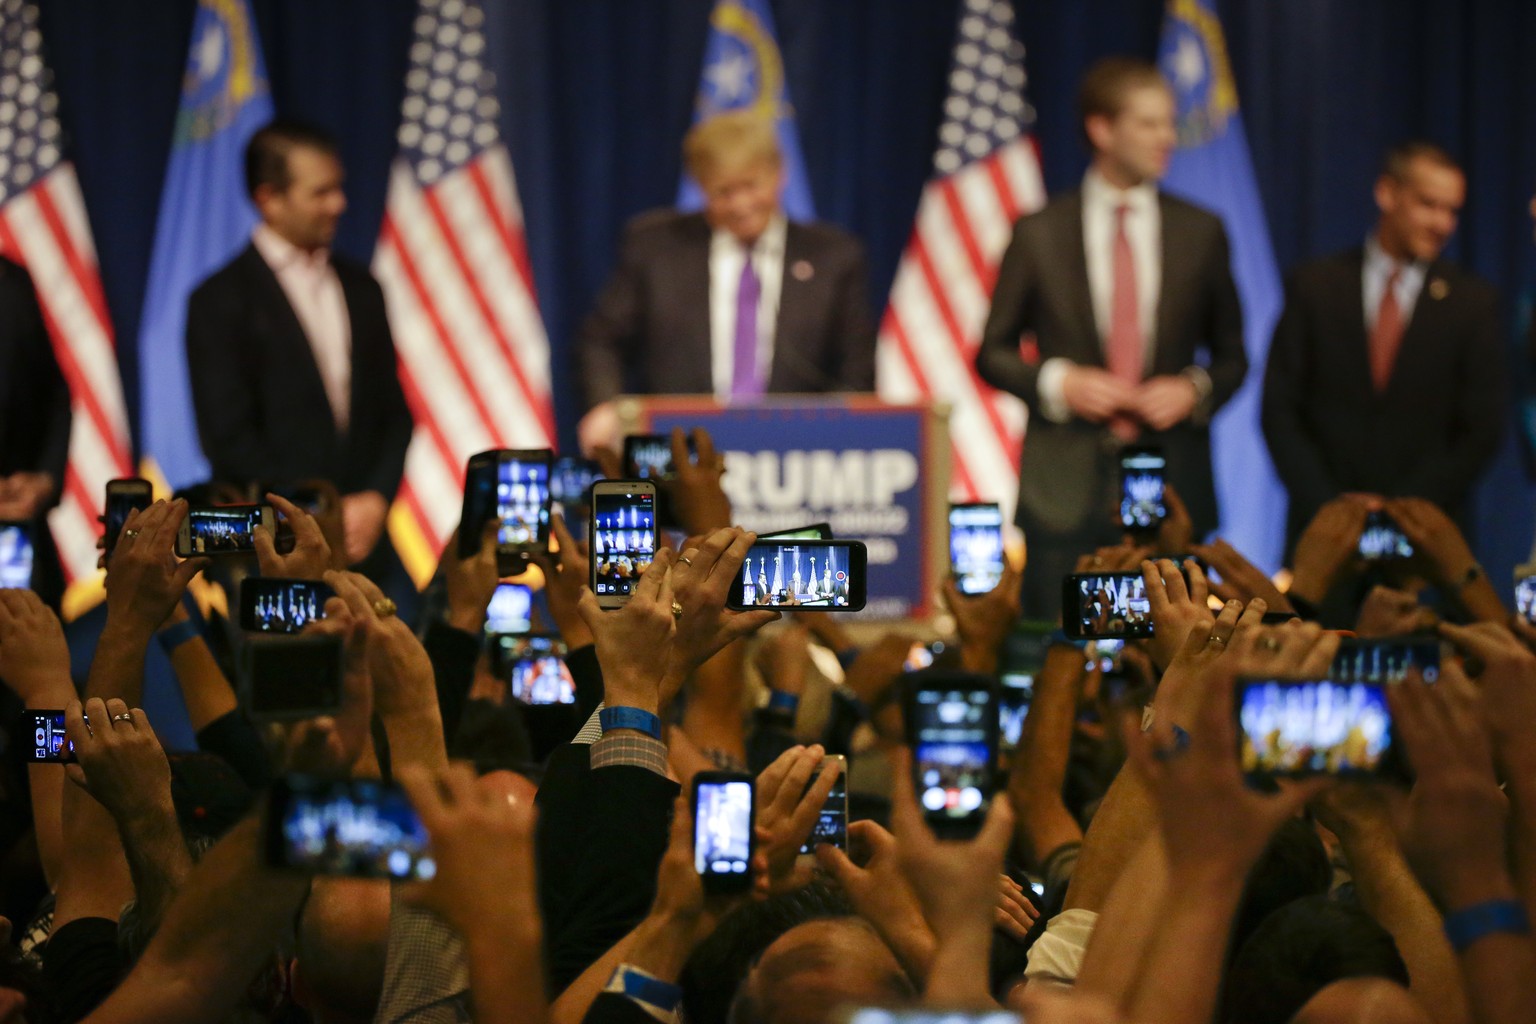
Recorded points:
(630,748)
(1049,384)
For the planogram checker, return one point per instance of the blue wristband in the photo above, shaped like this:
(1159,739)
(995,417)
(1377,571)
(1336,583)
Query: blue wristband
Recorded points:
(661,994)
(173,637)
(778,700)
(630,718)
(1469,924)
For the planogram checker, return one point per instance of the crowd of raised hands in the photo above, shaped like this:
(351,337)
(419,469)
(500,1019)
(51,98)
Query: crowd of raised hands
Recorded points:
(1126,867)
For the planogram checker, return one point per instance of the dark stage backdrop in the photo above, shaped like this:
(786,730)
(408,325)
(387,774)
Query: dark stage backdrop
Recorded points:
(596,96)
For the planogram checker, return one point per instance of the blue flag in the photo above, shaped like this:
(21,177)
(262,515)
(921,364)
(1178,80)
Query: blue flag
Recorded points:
(205,219)
(743,68)
(1212,167)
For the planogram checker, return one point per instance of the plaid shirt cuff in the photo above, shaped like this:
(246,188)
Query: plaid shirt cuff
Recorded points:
(628,747)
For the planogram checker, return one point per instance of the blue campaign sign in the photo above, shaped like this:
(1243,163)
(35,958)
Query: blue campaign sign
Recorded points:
(855,464)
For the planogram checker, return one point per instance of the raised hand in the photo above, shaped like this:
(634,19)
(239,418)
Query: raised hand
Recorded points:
(565,575)
(702,576)
(1329,545)
(787,812)
(635,643)
(311,555)
(34,656)
(144,578)
(983,620)
(471,581)
(121,762)
(697,498)
(331,744)
(1175,606)
(1241,580)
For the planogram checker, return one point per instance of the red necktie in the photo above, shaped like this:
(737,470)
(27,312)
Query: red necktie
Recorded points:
(1386,335)
(1124,351)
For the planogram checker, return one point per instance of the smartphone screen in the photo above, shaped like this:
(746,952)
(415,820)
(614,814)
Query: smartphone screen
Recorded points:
(649,456)
(803,574)
(354,828)
(1142,506)
(952,721)
(1382,540)
(832,823)
(49,743)
(1014,695)
(510,610)
(569,482)
(283,678)
(623,541)
(536,670)
(221,530)
(123,498)
(976,547)
(722,830)
(512,487)
(1525,597)
(270,605)
(15,556)
(1313,727)
(1386,660)
(1111,604)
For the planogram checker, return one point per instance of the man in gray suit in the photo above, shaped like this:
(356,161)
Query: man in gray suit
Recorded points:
(736,301)
(1116,320)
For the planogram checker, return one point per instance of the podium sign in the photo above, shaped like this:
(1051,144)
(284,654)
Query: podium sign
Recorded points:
(873,472)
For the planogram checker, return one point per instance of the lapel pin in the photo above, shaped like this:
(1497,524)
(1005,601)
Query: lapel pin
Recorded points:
(1438,289)
(801,270)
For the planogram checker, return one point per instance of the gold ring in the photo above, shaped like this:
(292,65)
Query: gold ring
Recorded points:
(1214,639)
(685,559)
(384,608)
(131,533)
(677,610)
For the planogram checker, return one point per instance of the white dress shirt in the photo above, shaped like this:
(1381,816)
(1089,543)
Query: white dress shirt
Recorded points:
(726,258)
(1144,231)
(1377,269)
(314,291)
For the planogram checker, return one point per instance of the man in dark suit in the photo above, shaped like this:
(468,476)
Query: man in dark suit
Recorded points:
(1136,331)
(34,424)
(735,301)
(1386,372)
(289,350)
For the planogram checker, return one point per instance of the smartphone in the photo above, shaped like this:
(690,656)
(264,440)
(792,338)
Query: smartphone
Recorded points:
(1107,604)
(15,556)
(286,678)
(510,611)
(1015,693)
(976,546)
(222,529)
(1290,728)
(923,654)
(649,456)
(49,744)
(271,605)
(832,823)
(352,828)
(723,842)
(1142,504)
(808,575)
(623,537)
(512,487)
(1386,660)
(124,497)
(535,667)
(816,531)
(1525,596)
(1383,540)
(952,728)
(569,481)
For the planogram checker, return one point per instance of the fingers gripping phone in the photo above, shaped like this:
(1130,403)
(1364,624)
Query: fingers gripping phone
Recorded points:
(623,538)
(976,546)
(832,823)
(723,841)
(952,727)
(124,497)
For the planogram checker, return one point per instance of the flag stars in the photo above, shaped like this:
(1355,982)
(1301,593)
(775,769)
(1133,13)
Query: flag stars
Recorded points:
(1187,63)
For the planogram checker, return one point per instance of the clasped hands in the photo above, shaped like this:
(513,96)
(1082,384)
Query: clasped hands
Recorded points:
(1160,402)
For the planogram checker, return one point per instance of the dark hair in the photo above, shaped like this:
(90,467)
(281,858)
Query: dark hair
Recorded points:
(1397,162)
(1104,87)
(1293,865)
(266,155)
(1300,949)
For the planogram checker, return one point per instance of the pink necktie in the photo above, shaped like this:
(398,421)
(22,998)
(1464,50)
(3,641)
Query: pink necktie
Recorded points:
(1124,351)
(1387,335)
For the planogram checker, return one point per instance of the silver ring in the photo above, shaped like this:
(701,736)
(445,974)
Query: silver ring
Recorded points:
(126,716)
(1214,639)
(685,559)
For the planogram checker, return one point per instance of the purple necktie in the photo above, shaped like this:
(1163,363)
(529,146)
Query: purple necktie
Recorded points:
(744,379)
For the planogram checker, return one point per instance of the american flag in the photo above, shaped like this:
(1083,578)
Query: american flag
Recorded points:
(43,226)
(986,174)
(474,358)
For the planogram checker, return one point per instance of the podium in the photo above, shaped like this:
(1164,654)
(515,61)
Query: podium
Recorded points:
(874,472)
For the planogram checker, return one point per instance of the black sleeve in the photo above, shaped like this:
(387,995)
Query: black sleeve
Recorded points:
(998,361)
(81,966)
(221,366)
(453,654)
(233,738)
(588,676)
(855,369)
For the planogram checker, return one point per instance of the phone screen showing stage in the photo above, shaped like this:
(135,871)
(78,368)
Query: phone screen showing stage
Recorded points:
(358,828)
(1142,505)
(623,539)
(976,547)
(15,556)
(223,530)
(270,605)
(537,670)
(722,831)
(522,502)
(1314,727)
(825,575)
(1112,604)
(1382,539)
(954,731)
(1386,661)
(510,609)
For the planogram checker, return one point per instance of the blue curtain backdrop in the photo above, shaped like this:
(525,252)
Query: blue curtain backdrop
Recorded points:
(597,94)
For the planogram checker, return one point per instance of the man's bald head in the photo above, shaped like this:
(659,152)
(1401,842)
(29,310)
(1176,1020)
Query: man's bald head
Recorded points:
(1362,1001)
(815,968)
(343,932)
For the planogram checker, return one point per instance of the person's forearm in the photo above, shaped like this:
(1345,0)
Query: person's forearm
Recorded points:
(157,859)
(1040,767)
(1481,601)
(416,735)
(1127,921)
(506,972)
(572,1005)
(204,689)
(1520,786)
(960,970)
(1183,964)
(117,668)
(1389,892)
(1499,969)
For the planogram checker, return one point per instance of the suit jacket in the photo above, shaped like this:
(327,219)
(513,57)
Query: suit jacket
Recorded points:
(1069,469)
(34,399)
(262,413)
(1433,430)
(649,333)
